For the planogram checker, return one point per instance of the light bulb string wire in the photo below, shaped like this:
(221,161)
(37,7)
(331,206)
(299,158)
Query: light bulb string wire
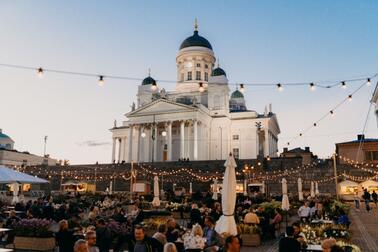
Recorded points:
(315,124)
(110,76)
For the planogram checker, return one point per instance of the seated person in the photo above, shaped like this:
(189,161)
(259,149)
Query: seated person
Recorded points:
(195,239)
(251,218)
(289,243)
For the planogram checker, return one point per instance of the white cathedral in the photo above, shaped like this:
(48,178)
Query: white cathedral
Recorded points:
(199,120)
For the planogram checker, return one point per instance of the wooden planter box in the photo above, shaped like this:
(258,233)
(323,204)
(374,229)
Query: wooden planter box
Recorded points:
(34,243)
(251,240)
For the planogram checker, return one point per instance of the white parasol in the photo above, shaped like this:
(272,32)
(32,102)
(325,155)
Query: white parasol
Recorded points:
(312,190)
(215,190)
(300,192)
(263,187)
(111,187)
(15,188)
(190,188)
(226,225)
(156,200)
(316,189)
(285,199)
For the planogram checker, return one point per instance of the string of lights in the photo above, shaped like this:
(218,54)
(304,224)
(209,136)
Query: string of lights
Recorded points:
(101,77)
(331,112)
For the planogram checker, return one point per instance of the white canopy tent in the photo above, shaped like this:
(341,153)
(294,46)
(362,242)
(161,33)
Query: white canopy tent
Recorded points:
(15,179)
(370,185)
(226,224)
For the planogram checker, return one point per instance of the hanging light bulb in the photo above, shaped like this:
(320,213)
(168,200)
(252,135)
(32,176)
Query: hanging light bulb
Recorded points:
(280,87)
(300,134)
(332,113)
(154,86)
(201,87)
(242,89)
(312,86)
(101,81)
(368,82)
(40,72)
(315,124)
(350,97)
(343,84)
(164,133)
(143,134)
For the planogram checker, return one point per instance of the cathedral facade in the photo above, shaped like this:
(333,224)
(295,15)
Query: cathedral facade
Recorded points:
(199,120)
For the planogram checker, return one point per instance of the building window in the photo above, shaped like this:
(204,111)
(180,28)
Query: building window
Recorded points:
(235,137)
(198,65)
(198,75)
(206,77)
(371,155)
(206,66)
(189,75)
(235,152)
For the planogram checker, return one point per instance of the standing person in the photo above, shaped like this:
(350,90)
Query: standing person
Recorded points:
(289,243)
(64,238)
(195,215)
(140,242)
(356,199)
(232,244)
(103,235)
(90,237)
(251,217)
(375,197)
(212,237)
(160,234)
(367,199)
(304,212)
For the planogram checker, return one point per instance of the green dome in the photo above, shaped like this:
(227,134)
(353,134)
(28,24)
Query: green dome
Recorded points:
(148,81)
(237,94)
(218,72)
(196,40)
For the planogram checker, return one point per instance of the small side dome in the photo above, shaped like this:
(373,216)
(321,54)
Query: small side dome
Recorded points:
(148,81)
(218,72)
(237,94)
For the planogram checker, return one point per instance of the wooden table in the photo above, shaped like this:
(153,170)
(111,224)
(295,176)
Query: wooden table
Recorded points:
(4,229)
(5,250)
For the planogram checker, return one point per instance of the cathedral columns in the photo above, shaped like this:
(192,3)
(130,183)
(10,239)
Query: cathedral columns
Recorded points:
(155,132)
(114,149)
(130,149)
(138,130)
(119,149)
(169,142)
(195,142)
(182,136)
(266,143)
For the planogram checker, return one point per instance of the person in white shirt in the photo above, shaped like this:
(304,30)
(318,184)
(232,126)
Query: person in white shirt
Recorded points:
(304,212)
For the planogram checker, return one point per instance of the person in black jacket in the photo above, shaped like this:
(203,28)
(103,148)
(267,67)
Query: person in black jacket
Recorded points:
(142,243)
(104,236)
(289,243)
(366,197)
(195,215)
(65,238)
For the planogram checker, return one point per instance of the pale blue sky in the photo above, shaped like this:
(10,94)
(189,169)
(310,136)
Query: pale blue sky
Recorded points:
(256,41)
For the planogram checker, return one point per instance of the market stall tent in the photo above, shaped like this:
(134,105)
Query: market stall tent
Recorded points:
(370,185)
(80,187)
(347,189)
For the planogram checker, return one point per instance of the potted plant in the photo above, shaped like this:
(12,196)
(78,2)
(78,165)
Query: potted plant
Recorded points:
(250,234)
(33,234)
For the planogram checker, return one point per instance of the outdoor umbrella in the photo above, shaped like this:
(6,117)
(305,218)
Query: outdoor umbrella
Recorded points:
(215,190)
(263,187)
(190,188)
(226,224)
(300,193)
(111,187)
(316,189)
(312,190)
(245,188)
(285,205)
(285,199)
(156,200)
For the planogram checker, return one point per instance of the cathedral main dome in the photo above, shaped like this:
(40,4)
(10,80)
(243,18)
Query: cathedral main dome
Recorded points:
(196,40)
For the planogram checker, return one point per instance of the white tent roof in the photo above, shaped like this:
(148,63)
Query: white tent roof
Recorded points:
(368,183)
(8,176)
(348,183)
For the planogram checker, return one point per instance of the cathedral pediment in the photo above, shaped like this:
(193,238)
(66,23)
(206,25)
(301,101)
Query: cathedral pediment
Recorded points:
(161,106)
